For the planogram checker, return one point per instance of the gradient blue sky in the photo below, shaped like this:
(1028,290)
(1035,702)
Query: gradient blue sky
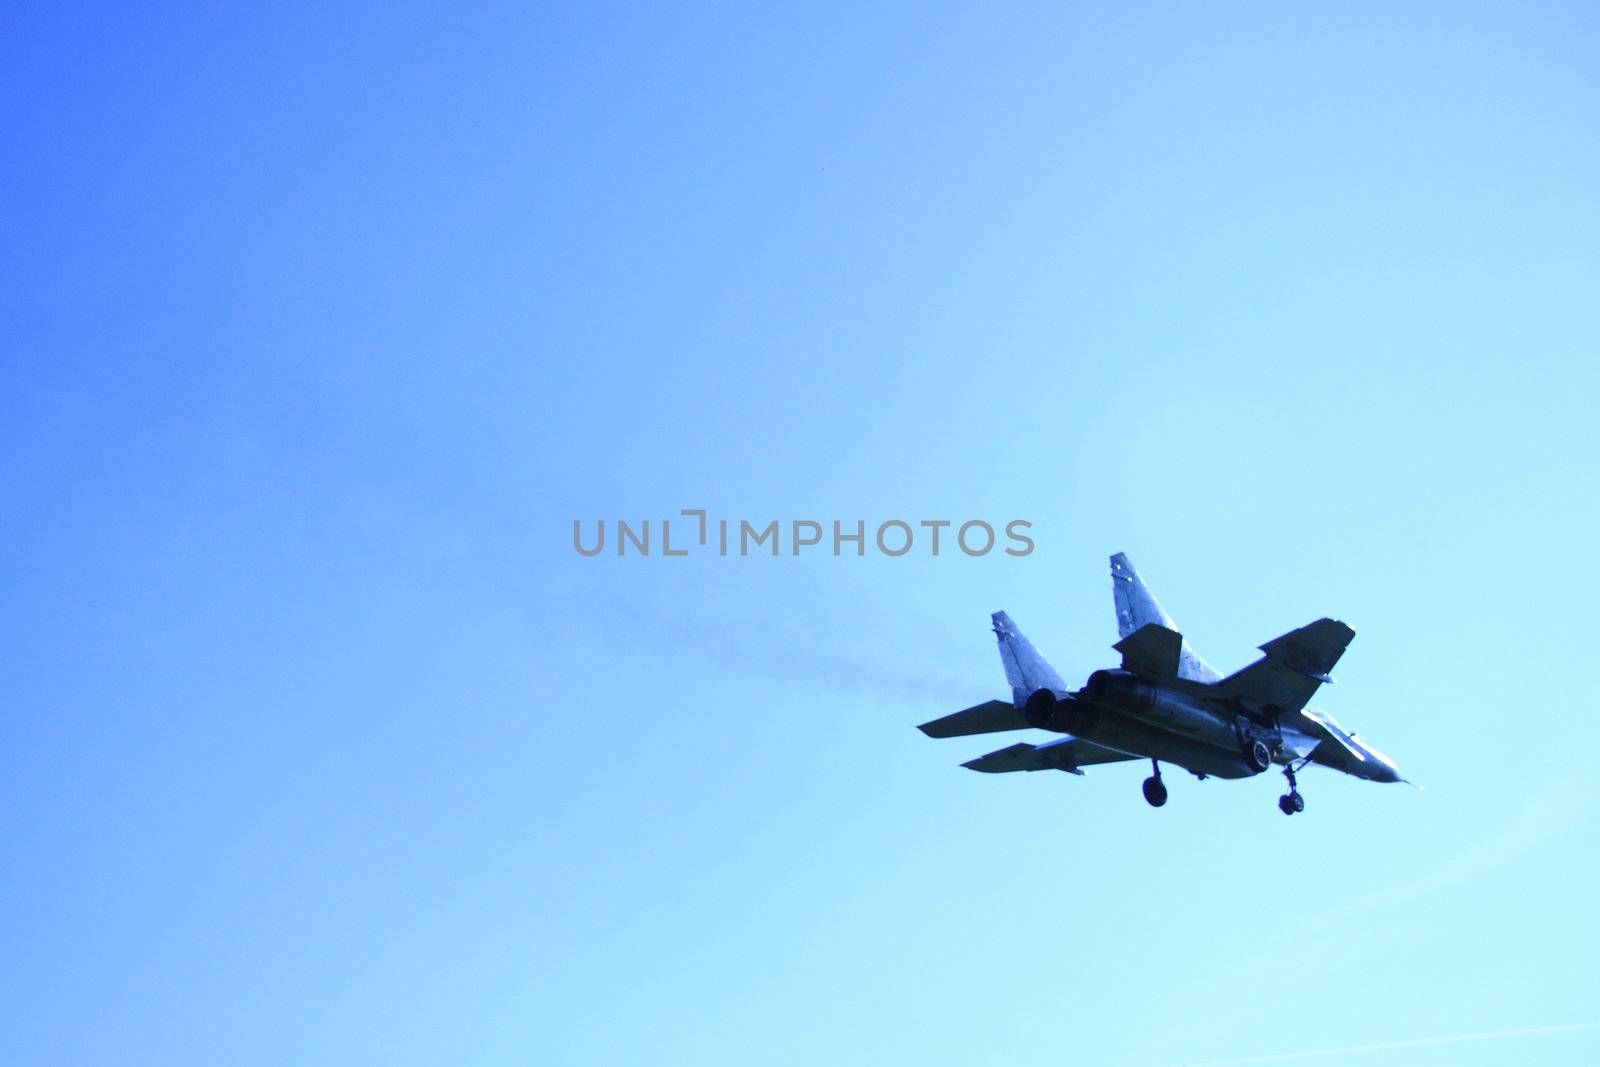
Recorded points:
(320,744)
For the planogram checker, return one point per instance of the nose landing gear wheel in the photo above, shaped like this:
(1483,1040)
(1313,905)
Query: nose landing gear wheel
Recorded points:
(1155,790)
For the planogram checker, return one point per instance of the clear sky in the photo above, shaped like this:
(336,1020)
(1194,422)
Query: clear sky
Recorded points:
(320,744)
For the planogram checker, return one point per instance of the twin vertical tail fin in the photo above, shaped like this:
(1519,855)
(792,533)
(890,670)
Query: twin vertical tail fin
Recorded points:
(1026,670)
(1137,607)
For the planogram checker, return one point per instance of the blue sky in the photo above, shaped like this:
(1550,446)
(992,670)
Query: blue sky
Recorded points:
(320,744)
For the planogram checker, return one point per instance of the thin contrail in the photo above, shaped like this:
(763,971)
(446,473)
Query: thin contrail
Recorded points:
(1390,1046)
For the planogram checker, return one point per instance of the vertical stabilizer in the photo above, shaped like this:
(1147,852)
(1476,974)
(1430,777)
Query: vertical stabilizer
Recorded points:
(1137,606)
(1026,670)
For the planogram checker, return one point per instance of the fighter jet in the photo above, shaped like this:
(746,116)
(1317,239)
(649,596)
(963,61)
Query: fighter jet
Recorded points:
(1168,705)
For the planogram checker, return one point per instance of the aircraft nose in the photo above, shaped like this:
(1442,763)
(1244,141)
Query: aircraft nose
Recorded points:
(1384,771)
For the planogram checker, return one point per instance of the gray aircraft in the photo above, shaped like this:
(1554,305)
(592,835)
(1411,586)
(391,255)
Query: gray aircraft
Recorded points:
(1168,705)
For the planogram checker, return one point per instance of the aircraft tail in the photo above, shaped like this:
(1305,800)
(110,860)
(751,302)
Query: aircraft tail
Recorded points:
(1026,670)
(1138,607)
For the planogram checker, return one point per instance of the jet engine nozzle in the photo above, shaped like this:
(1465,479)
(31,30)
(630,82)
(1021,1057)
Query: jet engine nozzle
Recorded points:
(1046,711)
(1040,709)
(1121,690)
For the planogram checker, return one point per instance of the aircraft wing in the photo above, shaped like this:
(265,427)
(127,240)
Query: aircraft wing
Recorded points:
(1067,754)
(1294,665)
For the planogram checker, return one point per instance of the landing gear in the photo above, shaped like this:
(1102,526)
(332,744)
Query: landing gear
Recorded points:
(1291,802)
(1155,790)
(1258,755)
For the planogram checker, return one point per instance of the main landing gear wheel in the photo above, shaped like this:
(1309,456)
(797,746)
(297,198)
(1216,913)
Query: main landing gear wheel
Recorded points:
(1291,802)
(1259,755)
(1155,790)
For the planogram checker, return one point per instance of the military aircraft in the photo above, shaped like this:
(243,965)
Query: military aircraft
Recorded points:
(1168,705)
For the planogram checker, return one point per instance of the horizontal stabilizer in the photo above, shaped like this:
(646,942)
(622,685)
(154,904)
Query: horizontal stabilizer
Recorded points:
(1311,650)
(1294,666)
(1151,651)
(1067,754)
(987,718)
